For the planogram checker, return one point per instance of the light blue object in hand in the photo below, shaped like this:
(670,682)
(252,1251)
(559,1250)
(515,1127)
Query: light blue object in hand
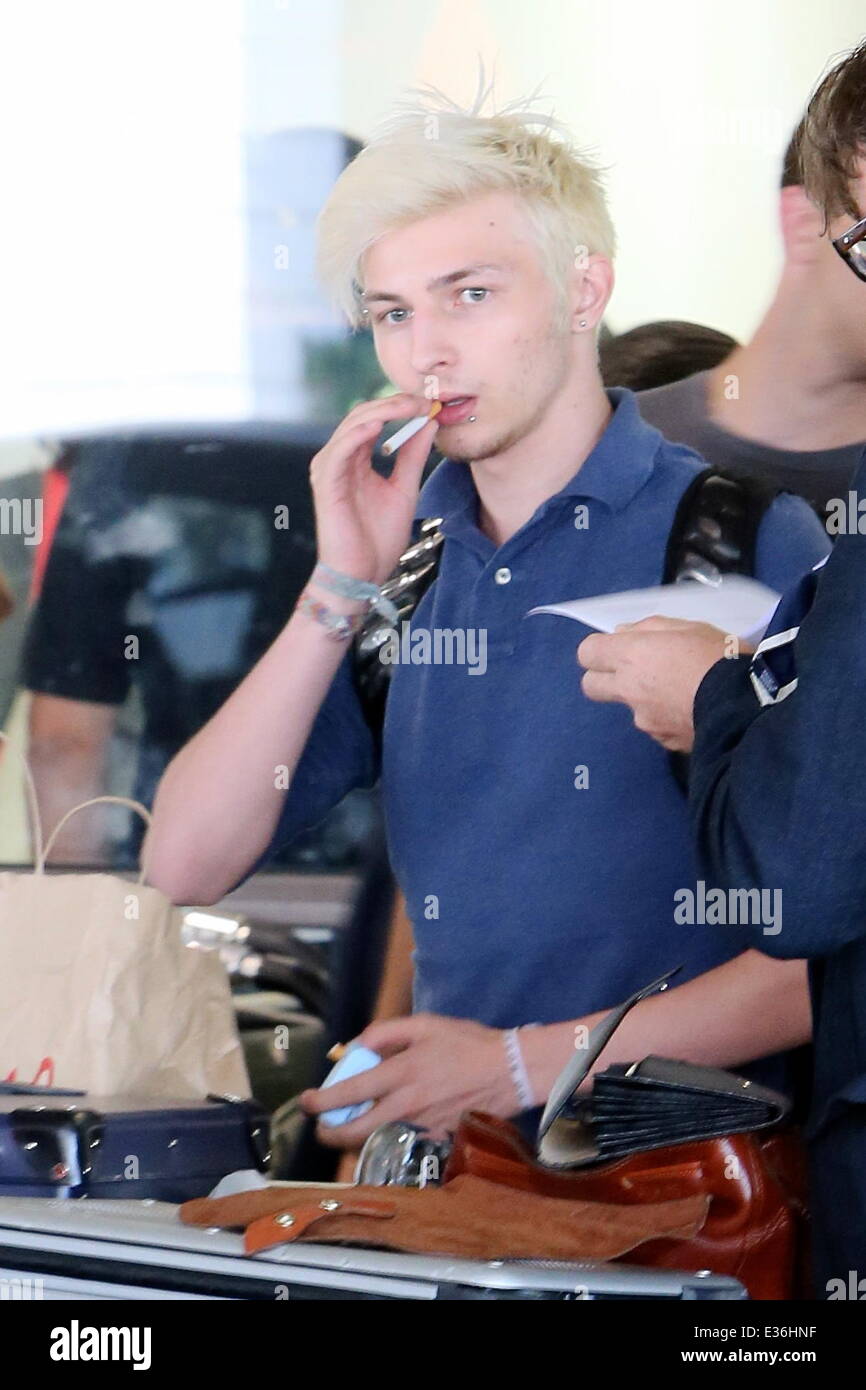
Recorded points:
(353,1061)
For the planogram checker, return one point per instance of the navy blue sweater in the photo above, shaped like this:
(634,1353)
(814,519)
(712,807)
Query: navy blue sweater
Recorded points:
(778,797)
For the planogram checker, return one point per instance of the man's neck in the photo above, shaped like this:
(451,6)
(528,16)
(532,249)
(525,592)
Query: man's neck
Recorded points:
(512,485)
(790,387)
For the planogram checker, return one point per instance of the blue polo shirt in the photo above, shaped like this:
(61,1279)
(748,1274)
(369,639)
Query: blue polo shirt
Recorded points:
(538,837)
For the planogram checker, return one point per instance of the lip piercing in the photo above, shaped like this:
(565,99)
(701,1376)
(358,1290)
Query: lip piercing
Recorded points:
(471,417)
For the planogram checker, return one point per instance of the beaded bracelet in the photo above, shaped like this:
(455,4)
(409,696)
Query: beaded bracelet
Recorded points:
(341,626)
(349,587)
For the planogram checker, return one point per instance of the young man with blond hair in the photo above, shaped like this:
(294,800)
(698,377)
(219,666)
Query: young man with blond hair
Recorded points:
(538,840)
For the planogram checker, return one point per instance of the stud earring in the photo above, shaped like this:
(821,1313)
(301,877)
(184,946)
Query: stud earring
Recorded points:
(582,323)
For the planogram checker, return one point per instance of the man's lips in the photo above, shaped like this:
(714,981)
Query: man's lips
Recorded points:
(457,408)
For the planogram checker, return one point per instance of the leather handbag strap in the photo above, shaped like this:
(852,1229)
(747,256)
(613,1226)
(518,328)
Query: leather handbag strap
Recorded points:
(281,1227)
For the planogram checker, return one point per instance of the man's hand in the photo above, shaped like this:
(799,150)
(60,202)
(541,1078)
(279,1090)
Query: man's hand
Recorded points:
(655,667)
(433,1069)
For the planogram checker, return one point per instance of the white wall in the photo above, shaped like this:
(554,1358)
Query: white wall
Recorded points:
(121,248)
(121,129)
(689,102)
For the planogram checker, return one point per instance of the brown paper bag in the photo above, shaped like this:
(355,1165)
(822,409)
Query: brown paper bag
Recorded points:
(98,991)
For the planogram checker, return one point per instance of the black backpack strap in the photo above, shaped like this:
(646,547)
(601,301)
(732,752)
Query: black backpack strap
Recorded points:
(715,529)
(412,576)
(714,532)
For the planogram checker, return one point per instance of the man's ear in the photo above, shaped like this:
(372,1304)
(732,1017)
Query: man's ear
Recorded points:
(594,288)
(801,224)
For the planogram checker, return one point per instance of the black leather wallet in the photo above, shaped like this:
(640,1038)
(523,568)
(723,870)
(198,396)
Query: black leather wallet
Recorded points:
(645,1105)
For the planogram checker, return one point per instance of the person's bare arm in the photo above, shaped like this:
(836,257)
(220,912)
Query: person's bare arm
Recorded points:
(67,747)
(436,1067)
(218,803)
(750,1007)
(395,990)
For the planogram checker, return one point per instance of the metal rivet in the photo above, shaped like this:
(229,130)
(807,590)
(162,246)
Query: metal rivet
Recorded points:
(330,1206)
(285,1220)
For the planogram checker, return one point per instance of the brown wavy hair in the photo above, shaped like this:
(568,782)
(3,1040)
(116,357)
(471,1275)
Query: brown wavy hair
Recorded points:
(833,136)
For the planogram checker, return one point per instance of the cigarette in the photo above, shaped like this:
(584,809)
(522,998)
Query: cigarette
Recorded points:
(410,428)
(336,1052)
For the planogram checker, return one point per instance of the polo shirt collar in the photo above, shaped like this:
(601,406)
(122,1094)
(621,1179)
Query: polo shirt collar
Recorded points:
(618,467)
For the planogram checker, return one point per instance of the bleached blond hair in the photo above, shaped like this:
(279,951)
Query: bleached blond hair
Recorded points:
(429,156)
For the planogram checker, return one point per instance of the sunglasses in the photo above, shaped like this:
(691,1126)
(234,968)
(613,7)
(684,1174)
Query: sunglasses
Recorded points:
(852,248)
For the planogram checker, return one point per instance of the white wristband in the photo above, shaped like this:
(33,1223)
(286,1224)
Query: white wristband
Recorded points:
(517,1068)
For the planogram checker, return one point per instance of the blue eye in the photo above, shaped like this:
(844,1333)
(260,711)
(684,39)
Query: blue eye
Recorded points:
(470,289)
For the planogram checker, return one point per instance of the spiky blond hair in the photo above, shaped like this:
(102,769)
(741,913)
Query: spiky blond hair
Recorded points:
(429,155)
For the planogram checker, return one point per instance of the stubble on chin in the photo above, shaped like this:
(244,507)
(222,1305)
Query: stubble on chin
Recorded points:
(485,449)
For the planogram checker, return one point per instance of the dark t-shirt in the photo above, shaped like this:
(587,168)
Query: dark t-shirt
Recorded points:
(175,564)
(679,410)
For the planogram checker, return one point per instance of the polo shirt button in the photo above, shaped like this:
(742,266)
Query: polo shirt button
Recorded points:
(503,576)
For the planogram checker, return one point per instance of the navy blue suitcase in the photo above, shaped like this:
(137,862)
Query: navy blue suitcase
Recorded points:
(69,1144)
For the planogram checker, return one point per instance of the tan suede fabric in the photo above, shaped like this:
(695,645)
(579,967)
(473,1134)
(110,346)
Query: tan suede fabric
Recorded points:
(469,1217)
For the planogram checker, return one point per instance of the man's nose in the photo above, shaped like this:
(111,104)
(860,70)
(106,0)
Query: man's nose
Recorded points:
(433,350)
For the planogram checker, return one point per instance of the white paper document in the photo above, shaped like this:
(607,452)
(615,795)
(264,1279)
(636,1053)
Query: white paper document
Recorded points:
(737,605)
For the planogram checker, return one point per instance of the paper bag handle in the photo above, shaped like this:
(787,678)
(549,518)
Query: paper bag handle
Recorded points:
(39,854)
(35,818)
(39,865)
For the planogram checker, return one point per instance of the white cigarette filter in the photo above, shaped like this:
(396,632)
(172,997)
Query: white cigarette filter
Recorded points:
(410,428)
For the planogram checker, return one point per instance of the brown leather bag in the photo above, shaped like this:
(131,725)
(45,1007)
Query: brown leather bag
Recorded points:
(755,1226)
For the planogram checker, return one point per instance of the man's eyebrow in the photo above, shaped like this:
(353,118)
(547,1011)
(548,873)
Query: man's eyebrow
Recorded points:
(441,280)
